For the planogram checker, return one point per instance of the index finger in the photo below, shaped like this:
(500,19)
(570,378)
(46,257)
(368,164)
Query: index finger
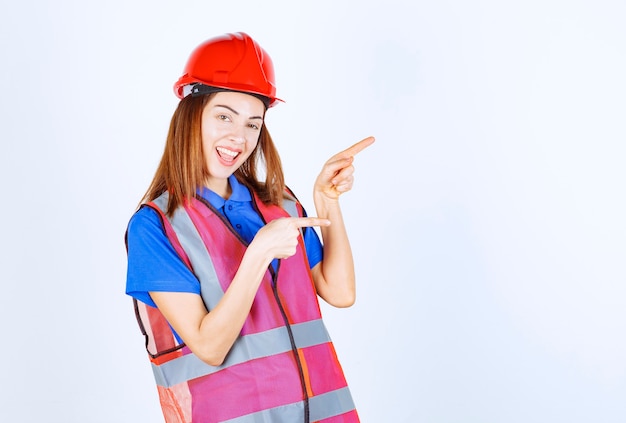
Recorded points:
(302,222)
(358,147)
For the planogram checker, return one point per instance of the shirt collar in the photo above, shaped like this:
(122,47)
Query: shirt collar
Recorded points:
(239,193)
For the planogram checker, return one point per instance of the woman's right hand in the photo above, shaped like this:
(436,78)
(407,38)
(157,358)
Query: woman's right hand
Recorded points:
(279,238)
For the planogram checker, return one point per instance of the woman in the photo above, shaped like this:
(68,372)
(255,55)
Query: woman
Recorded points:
(225,270)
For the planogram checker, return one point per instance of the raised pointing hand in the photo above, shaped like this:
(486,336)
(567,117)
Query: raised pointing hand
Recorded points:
(337,175)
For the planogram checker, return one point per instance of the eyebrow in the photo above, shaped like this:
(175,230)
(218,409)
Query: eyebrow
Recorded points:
(236,112)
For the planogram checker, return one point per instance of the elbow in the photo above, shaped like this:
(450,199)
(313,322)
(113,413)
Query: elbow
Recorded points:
(344,301)
(210,357)
(213,360)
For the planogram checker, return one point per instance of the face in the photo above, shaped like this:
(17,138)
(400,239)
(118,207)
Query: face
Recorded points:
(231,125)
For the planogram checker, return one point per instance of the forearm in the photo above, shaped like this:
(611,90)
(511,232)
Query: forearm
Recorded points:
(334,277)
(211,335)
(220,328)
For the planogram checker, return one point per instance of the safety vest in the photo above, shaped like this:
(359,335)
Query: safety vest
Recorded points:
(282,367)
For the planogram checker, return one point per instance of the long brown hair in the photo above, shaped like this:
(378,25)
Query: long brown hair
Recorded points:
(183,170)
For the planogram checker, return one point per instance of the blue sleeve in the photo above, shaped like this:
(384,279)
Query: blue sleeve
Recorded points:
(313,246)
(153,264)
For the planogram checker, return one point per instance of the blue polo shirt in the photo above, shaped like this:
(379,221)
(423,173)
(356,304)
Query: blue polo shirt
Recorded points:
(154,265)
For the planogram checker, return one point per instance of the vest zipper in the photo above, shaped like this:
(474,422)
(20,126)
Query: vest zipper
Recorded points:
(294,348)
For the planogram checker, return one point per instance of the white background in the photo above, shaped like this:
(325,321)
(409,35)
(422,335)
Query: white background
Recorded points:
(487,219)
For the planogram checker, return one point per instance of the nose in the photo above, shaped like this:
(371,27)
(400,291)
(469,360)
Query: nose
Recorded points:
(238,135)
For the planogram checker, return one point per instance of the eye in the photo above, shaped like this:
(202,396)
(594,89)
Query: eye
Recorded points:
(254,126)
(224,118)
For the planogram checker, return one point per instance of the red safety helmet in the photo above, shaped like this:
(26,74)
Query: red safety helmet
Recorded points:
(233,62)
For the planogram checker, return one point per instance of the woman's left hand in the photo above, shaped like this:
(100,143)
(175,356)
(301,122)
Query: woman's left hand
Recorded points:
(337,175)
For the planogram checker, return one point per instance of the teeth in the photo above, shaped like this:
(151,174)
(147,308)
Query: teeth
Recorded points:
(230,153)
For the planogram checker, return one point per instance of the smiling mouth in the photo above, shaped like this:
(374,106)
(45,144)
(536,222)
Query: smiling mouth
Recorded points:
(226,154)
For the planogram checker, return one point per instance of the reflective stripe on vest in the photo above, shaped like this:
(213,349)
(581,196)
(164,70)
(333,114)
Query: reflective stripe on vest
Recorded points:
(193,246)
(283,366)
(246,348)
(323,406)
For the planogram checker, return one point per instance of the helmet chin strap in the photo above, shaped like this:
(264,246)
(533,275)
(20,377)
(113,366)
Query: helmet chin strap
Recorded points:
(197,90)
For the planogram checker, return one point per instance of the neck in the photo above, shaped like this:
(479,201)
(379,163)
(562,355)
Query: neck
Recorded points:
(220,187)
